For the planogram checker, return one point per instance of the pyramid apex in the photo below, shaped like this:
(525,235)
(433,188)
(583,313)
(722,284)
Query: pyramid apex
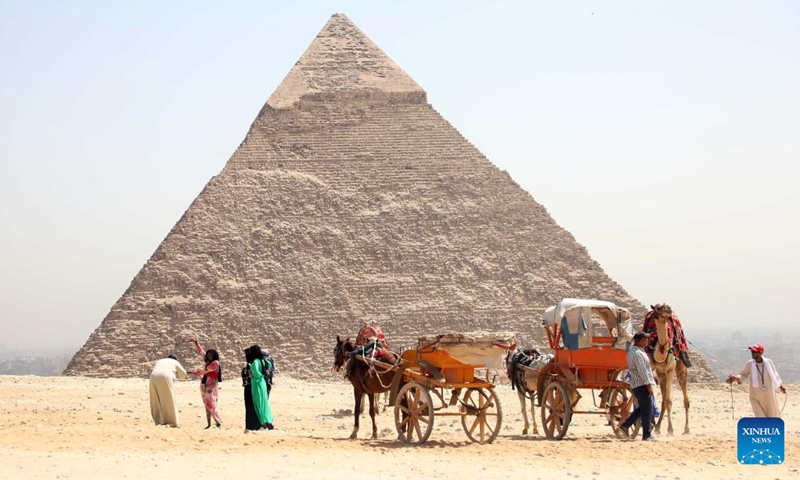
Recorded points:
(342,59)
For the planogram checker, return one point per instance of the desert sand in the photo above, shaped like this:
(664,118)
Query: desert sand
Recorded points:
(67,427)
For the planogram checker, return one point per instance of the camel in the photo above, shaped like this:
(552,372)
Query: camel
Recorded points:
(667,367)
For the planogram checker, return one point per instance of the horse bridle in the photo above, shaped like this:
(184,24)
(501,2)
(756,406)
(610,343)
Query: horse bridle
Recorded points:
(339,348)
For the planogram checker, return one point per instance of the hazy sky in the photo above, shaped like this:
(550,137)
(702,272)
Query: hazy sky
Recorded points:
(665,136)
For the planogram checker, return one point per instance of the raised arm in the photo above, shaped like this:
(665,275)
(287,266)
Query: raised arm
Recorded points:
(199,348)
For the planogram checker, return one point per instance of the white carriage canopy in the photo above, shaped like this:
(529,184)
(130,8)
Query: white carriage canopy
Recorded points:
(577,319)
(478,348)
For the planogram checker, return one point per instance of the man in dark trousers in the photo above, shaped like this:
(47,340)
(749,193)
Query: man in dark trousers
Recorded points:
(641,383)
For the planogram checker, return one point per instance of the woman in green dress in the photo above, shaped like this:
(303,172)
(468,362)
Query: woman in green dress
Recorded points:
(259,388)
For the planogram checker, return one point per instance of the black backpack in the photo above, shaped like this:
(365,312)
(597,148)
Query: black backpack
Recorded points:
(269,369)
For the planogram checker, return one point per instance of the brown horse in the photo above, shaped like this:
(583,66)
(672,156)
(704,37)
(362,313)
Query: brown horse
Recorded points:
(366,379)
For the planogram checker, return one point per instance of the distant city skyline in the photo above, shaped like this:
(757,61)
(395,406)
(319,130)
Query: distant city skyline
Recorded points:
(662,136)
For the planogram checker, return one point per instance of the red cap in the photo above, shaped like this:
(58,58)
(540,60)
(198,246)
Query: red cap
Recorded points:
(756,348)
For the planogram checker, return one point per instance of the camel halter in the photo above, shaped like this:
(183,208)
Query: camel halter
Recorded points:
(662,347)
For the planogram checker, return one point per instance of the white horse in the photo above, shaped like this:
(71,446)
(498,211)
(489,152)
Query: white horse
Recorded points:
(523,367)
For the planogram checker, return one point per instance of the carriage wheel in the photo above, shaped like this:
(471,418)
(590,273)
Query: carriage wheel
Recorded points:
(620,406)
(413,414)
(481,415)
(556,411)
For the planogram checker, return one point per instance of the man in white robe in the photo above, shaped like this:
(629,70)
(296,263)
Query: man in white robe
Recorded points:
(162,404)
(764,382)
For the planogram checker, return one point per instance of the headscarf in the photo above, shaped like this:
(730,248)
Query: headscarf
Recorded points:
(257,353)
(262,353)
(246,375)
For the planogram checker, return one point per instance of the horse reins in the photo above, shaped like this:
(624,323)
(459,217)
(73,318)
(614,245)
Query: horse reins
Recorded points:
(373,368)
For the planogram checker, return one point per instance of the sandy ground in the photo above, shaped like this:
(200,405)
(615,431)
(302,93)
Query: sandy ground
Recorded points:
(61,427)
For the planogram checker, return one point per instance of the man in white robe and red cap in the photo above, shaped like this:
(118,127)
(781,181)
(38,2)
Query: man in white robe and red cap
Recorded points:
(764,382)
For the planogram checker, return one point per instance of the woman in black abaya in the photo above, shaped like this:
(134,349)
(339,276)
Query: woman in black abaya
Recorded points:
(251,421)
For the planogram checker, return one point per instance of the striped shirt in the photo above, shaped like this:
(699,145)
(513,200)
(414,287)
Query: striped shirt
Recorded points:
(639,368)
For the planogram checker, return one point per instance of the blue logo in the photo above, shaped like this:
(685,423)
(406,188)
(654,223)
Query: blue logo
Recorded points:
(760,441)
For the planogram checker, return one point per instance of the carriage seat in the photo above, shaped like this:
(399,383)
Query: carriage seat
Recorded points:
(576,334)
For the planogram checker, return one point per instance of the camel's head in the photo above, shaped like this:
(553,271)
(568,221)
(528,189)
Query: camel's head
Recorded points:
(663,312)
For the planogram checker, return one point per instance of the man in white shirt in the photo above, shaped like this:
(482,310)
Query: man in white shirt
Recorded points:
(641,383)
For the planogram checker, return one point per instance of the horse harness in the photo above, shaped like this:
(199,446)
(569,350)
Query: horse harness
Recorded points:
(367,352)
(526,358)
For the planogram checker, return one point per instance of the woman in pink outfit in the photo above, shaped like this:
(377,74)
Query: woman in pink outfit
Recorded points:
(212,375)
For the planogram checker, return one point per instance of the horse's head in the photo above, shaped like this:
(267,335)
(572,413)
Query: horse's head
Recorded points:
(340,351)
(519,355)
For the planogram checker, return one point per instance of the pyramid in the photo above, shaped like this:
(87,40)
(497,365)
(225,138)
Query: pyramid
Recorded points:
(350,200)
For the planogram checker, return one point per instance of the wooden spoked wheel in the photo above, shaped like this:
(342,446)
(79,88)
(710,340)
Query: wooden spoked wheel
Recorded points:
(556,411)
(481,415)
(620,407)
(413,414)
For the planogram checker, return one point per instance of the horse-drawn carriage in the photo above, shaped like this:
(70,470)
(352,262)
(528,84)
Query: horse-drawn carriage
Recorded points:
(590,340)
(446,364)
(421,379)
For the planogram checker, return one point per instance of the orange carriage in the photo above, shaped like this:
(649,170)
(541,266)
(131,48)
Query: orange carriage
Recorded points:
(447,364)
(590,341)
